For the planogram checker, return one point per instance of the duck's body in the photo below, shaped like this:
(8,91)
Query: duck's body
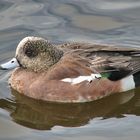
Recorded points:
(73,72)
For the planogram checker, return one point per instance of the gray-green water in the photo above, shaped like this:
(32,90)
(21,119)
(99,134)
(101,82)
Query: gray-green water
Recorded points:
(116,117)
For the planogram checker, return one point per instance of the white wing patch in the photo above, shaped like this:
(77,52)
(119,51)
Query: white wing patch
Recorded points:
(80,79)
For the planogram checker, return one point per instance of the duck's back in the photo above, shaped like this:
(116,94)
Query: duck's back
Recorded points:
(119,61)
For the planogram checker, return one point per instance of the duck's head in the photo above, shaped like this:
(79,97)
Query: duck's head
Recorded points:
(34,53)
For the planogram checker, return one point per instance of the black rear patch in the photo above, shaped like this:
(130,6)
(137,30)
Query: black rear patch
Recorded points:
(118,74)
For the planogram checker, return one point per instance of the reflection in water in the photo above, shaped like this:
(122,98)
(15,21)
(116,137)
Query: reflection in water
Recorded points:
(43,115)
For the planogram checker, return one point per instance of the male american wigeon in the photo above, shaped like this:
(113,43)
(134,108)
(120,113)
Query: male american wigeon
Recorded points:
(72,72)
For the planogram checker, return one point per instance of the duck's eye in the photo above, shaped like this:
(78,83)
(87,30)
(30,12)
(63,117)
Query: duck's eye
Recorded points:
(31,52)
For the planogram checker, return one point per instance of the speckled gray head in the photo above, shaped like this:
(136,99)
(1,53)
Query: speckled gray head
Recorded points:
(34,53)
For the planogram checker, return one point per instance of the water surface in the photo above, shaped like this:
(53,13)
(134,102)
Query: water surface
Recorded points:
(115,117)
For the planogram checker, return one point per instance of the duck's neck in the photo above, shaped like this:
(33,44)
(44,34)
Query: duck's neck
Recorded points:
(55,55)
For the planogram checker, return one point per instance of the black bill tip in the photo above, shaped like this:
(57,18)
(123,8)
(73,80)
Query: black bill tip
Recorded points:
(1,68)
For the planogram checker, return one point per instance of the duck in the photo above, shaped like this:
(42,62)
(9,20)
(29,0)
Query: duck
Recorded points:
(73,72)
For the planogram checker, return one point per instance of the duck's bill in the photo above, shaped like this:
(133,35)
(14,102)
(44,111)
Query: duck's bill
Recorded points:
(13,63)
